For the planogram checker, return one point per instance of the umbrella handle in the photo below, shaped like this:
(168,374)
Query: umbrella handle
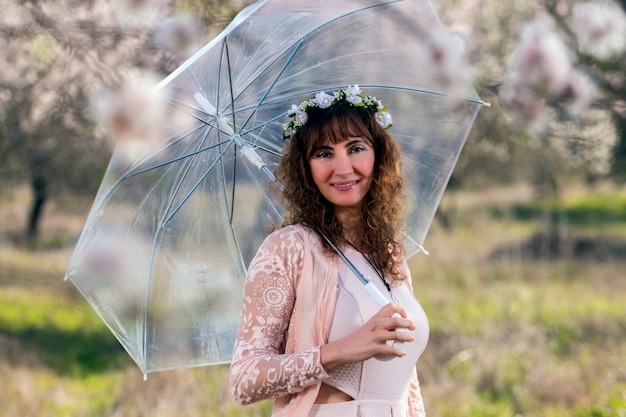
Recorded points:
(382,301)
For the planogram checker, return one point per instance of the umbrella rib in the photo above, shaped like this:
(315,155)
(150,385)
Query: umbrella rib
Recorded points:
(274,81)
(267,146)
(171,161)
(147,303)
(425,91)
(169,204)
(234,116)
(230,84)
(210,168)
(130,173)
(219,78)
(183,107)
(186,108)
(419,246)
(262,100)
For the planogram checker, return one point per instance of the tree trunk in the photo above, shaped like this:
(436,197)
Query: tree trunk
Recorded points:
(619,154)
(40,195)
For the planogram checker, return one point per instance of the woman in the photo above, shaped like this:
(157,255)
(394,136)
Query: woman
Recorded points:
(310,336)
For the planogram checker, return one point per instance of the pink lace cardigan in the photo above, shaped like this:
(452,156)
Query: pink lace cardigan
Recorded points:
(286,317)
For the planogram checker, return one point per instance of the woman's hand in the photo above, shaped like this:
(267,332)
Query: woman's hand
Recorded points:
(370,340)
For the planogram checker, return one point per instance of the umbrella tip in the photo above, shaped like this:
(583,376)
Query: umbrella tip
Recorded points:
(145,377)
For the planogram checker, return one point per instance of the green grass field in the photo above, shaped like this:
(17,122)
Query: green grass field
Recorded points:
(526,302)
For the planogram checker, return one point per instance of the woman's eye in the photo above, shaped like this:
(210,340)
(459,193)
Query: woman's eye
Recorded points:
(323,154)
(357,149)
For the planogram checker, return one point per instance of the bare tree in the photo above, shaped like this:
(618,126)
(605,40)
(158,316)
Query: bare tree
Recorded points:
(60,54)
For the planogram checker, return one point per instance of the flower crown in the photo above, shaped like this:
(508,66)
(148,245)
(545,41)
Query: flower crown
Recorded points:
(350,96)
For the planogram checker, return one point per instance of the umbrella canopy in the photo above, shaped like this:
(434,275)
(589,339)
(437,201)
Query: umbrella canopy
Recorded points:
(163,255)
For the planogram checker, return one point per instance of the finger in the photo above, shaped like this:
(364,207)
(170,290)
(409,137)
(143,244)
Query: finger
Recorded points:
(390,324)
(401,336)
(392,334)
(393,323)
(389,351)
(383,327)
(391,309)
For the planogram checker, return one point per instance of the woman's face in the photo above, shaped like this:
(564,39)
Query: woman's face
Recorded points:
(343,171)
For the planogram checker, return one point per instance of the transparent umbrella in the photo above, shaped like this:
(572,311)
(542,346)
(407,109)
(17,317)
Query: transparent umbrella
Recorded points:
(162,257)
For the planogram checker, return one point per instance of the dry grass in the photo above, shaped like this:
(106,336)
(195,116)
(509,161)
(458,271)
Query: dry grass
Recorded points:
(510,335)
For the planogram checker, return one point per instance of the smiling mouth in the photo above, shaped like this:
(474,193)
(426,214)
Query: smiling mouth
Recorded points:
(341,186)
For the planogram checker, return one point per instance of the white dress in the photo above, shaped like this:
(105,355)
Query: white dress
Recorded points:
(379,386)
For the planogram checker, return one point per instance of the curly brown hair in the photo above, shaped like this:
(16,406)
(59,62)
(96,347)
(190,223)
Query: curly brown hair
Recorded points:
(383,208)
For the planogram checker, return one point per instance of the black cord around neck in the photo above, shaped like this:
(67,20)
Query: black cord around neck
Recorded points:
(379,273)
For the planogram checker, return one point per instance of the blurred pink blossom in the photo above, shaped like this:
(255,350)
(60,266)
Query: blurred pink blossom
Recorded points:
(580,93)
(600,28)
(138,12)
(179,35)
(444,55)
(111,263)
(541,76)
(541,59)
(132,113)
(527,108)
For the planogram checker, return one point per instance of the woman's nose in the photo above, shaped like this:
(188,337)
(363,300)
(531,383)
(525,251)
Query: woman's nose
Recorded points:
(343,164)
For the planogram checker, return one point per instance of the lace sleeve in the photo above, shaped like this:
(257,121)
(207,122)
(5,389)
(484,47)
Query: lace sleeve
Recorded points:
(260,369)
(416,403)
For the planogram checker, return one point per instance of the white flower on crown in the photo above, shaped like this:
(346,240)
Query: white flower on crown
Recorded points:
(384,119)
(300,115)
(354,90)
(352,94)
(323,100)
(354,99)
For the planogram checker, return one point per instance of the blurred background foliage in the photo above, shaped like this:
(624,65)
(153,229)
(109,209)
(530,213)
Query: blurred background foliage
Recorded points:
(57,61)
(525,284)
(59,55)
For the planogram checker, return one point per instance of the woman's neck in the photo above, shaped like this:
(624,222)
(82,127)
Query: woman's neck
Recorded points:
(350,219)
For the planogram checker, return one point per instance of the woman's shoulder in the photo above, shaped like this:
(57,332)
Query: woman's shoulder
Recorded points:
(287,240)
(294,234)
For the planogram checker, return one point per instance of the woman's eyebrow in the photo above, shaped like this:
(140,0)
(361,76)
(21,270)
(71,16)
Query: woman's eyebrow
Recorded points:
(355,141)
(320,148)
